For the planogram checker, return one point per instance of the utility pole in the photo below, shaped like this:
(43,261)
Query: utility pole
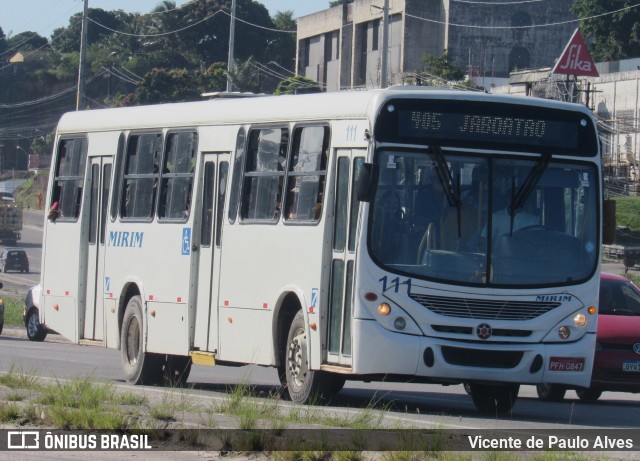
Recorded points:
(232,34)
(83,57)
(385,45)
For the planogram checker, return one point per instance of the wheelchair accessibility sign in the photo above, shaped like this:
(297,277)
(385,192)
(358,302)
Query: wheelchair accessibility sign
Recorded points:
(186,241)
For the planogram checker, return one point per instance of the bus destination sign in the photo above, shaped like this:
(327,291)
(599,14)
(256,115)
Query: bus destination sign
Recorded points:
(485,125)
(442,125)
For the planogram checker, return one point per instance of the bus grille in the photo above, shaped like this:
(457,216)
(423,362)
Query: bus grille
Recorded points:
(483,308)
(481,358)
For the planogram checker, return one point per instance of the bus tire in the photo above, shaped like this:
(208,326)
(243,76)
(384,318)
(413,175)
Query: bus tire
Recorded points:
(551,392)
(588,395)
(138,367)
(494,398)
(304,385)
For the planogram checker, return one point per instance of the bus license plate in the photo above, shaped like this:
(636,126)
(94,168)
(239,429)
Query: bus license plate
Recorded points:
(631,365)
(566,364)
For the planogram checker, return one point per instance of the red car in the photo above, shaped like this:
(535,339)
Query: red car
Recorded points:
(617,361)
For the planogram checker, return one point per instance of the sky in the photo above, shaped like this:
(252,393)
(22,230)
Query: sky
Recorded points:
(43,16)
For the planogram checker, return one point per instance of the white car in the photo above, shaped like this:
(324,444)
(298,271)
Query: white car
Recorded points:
(31,315)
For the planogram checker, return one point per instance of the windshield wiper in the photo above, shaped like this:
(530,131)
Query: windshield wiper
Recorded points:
(519,198)
(448,184)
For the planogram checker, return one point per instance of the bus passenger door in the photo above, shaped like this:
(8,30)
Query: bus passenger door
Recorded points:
(100,185)
(212,198)
(347,167)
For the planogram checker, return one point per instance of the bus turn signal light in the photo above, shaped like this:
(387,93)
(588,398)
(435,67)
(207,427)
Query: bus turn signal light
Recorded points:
(370,296)
(591,310)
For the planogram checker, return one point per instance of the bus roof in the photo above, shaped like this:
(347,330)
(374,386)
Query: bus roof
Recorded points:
(320,106)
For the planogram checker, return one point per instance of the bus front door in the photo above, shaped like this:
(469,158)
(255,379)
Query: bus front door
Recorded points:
(99,184)
(340,290)
(214,173)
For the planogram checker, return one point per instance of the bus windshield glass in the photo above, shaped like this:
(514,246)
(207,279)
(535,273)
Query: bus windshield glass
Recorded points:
(484,220)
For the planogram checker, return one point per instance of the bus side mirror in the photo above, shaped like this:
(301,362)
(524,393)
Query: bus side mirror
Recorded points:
(367,182)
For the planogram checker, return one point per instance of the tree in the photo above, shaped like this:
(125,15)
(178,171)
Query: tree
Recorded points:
(3,41)
(214,78)
(67,39)
(27,41)
(166,85)
(615,36)
(439,70)
(285,43)
(298,85)
(244,76)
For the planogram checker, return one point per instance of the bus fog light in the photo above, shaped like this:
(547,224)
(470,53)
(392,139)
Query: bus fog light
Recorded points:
(400,323)
(580,320)
(384,309)
(564,332)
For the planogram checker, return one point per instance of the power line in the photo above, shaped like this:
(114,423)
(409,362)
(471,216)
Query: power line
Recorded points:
(532,26)
(162,34)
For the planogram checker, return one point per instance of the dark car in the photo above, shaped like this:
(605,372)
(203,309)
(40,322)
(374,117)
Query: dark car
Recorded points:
(616,364)
(14,259)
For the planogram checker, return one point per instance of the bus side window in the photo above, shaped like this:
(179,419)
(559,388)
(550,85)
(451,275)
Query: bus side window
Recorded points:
(307,172)
(141,174)
(238,164)
(69,177)
(176,179)
(264,174)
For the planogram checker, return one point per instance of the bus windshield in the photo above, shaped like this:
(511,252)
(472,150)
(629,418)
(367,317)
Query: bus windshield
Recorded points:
(484,220)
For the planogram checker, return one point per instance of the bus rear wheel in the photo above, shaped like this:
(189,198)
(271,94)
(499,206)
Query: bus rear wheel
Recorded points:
(305,385)
(138,367)
(494,398)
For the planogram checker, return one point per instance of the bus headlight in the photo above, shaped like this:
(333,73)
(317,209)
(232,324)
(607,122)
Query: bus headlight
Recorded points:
(400,323)
(580,320)
(572,328)
(394,318)
(564,332)
(384,309)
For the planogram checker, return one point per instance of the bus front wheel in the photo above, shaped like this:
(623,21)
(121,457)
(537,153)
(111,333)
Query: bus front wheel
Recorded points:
(494,398)
(305,385)
(138,367)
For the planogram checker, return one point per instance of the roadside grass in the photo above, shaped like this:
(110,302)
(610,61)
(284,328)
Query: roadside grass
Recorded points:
(83,403)
(13,311)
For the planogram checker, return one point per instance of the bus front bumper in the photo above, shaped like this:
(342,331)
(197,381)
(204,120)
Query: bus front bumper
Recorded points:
(380,351)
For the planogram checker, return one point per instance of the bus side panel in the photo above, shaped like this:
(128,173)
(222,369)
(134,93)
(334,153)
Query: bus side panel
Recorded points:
(167,328)
(260,261)
(155,257)
(112,332)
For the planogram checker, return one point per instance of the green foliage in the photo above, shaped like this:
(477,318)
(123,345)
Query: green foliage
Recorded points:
(615,36)
(13,312)
(27,41)
(167,85)
(440,68)
(297,85)
(628,212)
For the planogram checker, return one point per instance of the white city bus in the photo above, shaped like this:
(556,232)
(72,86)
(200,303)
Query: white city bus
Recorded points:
(400,234)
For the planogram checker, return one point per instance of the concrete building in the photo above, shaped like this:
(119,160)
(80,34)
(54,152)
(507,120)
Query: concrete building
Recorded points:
(341,47)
